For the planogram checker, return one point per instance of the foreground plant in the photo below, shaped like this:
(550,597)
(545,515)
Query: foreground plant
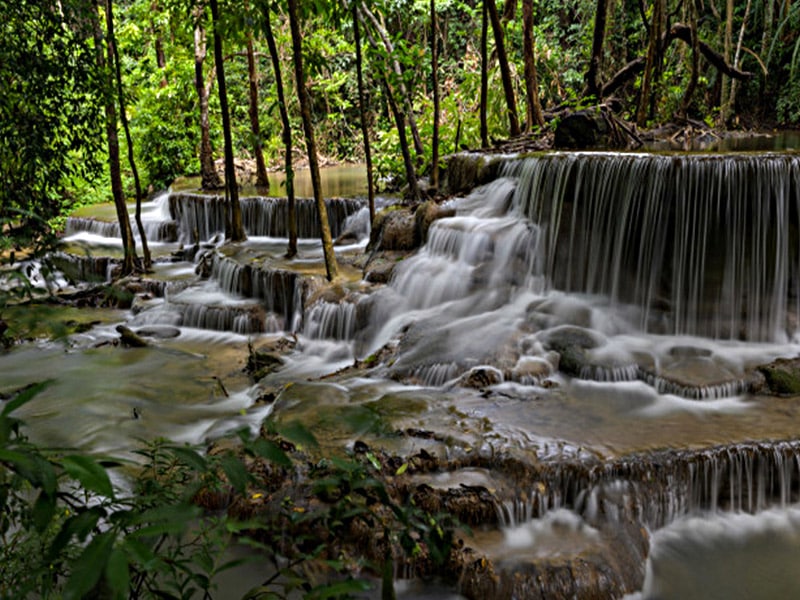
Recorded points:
(66,531)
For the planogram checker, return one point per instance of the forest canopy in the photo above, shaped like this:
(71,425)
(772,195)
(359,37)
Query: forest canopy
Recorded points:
(503,69)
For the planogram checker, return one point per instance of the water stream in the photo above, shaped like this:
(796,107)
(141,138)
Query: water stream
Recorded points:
(595,317)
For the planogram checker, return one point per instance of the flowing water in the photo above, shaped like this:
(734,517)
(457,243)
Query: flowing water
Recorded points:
(595,317)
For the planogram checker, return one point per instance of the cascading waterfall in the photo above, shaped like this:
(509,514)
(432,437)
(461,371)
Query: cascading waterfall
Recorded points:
(200,216)
(697,244)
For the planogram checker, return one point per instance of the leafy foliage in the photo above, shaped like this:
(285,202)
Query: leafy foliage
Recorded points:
(68,531)
(49,127)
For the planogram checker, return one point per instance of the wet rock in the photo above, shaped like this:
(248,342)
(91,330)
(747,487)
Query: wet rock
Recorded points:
(393,229)
(572,344)
(129,338)
(467,171)
(588,128)
(781,377)
(481,377)
(262,362)
(162,332)
(427,213)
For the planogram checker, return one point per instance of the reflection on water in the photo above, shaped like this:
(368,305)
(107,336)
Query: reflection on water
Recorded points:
(341,181)
(779,141)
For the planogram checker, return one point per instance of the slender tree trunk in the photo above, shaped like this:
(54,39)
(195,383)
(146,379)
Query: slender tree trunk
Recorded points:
(148,261)
(308,127)
(686,102)
(598,41)
(738,55)
(262,180)
(484,75)
(653,52)
(398,71)
(534,107)
(400,123)
(724,108)
(234,228)
(208,172)
(161,57)
(505,69)
(105,63)
(362,107)
(434,180)
(291,217)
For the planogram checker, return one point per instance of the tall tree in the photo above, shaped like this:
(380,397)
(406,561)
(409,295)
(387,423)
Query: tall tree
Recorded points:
(362,108)
(262,180)
(286,131)
(105,61)
(148,261)
(484,101)
(49,106)
(405,97)
(331,266)
(208,172)
(652,63)
(400,123)
(161,56)
(598,40)
(234,228)
(505,69)
(534,106)
(436,109)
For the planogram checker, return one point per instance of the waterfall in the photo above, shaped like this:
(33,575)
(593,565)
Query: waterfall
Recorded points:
(202,216)
(702,245)
(327,320)
(274,287)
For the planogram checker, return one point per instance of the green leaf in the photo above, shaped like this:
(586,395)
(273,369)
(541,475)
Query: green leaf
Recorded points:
(24,397)
(89,566)
(188,456)
(373,460)
(43,511)
(79,526)
(271,451)
(117,574)
(236,473)
(91,476)
(33,467)
(299,434)
(403,468)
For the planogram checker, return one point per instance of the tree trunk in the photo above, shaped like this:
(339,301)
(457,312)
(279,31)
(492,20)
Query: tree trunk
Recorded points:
(291,218)
(534,107)
(398,71)
(148,261)
(484,75)
(686,102)
(331,267)
(234,228)
(598,40)
(653,52)
(161,57)
(262,180)
(362,107)
(738,55)
(208,172)
(400,123)
(105,63)
(505,69)
(434,180)
(724,107)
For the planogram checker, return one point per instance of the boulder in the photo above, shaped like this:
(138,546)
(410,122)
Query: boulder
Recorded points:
(781,377)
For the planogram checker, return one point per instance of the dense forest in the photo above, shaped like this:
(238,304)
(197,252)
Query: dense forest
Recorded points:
(161,88)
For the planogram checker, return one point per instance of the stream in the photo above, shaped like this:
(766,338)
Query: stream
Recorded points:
(581,336)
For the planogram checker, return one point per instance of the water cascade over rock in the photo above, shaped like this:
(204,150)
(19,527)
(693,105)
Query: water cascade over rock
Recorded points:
(201,216)
(700,245)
